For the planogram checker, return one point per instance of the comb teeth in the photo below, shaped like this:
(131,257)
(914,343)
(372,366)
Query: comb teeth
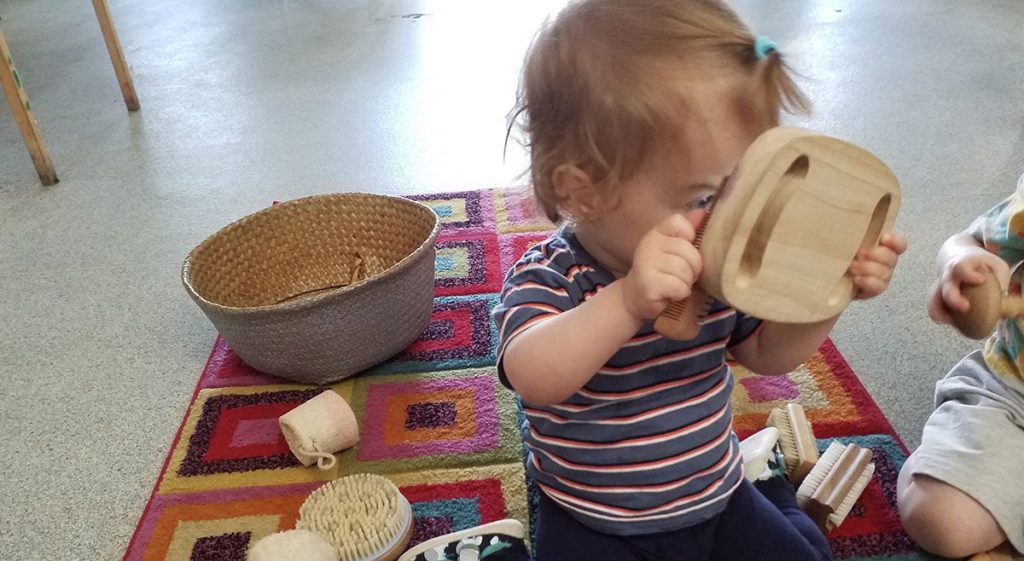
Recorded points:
(706,307)
(697,239)
(675,310)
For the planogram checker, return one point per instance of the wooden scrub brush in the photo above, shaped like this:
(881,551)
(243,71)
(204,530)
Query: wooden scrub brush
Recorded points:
(796,440)
(363,516)
(830,490)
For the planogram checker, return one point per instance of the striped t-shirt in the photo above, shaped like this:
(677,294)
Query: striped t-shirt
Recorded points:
(647,444)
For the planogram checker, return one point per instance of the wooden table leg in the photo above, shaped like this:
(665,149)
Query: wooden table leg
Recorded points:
(22,111)
(124,77)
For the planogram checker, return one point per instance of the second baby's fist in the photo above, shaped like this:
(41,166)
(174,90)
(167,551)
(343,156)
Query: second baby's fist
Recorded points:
(967,268)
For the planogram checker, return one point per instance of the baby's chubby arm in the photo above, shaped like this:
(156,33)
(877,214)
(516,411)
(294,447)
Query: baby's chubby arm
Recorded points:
(961,260)
(553,359)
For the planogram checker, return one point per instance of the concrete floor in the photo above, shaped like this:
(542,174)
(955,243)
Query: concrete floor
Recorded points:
(246,102)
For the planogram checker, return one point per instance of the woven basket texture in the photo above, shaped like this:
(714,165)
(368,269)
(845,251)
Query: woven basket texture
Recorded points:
(320,288)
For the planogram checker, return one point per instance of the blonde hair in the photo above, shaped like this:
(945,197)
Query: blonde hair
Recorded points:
(593,89)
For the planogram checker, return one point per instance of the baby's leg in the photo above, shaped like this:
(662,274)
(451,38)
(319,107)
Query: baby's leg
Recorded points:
(959,493)
(943,519)
(767,524)
(560,537)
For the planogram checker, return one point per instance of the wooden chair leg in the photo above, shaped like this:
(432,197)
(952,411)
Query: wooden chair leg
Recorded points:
(124,77)
(22,111)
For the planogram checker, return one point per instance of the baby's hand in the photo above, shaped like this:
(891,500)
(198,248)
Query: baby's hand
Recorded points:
(665,266)
(872,268)
(966,268)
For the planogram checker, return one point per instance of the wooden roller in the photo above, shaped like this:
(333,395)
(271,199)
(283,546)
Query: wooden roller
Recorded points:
(988,305)
(781,239)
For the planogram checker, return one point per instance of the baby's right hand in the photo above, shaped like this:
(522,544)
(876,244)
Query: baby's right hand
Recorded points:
(665,266)
(966,268)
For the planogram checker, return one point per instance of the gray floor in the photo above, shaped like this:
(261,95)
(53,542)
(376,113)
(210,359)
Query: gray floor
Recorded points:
(246,102)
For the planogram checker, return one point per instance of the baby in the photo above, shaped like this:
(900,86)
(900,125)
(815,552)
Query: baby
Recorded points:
(960,492)
(637,112)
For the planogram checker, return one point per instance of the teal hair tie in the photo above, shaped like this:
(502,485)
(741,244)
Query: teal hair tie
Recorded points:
(764,46)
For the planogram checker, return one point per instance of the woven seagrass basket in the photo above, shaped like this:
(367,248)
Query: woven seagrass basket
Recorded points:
(320,288)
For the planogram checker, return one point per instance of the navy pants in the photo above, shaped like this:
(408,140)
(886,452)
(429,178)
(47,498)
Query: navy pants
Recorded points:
(761,522)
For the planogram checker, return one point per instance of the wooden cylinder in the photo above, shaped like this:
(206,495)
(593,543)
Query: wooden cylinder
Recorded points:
(984,310)
(319,428)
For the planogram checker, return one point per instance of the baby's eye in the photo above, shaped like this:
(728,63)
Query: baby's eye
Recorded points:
(701,203)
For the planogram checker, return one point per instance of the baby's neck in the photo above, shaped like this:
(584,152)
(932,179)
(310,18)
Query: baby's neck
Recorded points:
(590,237)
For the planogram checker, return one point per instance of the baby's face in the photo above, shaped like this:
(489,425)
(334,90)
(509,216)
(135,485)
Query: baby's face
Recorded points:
(676,179)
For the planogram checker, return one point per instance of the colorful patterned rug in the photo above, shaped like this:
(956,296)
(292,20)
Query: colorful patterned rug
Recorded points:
(435,420)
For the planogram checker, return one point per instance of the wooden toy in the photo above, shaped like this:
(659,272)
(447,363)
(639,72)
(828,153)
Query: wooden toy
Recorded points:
(988,305)
(833,486)
(364,516)
(682,320)
(784,231)
(796,440)
(320,427)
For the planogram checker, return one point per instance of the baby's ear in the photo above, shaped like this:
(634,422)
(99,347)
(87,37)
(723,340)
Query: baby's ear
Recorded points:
(576,191)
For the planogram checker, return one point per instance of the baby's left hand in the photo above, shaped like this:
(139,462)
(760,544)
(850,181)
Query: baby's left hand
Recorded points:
(872,268)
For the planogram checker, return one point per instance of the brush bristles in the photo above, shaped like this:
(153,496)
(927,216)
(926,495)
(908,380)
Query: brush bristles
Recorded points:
(837,517)
(817,475)
(787,439)
(796,440)
(360,515)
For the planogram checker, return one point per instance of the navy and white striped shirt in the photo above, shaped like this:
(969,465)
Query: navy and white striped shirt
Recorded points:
(647,444)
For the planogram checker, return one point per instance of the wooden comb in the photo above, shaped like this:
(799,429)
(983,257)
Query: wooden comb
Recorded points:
(681,321)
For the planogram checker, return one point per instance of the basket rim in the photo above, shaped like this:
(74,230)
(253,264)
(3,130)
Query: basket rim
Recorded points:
(315,300)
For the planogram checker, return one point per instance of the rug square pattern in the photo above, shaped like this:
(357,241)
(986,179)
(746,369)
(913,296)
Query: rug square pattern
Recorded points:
(834,400)
(175,525)
(467,263)
(222,524)
(462,211)
(480,428)
(460,335)
(231,438)
(516,210)
(434,419)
